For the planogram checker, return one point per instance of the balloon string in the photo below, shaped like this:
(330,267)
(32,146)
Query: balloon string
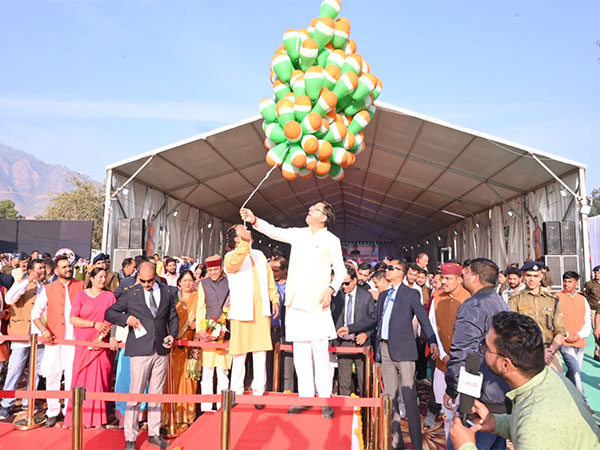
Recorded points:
(258,187)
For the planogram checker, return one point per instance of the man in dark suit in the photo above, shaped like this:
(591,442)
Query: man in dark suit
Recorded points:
(351,304)
(149,310)
(396,347)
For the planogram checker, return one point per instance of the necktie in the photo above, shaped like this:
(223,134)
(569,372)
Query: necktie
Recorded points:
(153,307)
(349,310)
(384,328)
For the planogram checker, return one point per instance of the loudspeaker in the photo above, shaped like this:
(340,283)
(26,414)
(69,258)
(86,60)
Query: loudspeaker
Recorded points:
(570,262)
(554,263)
(136,233)
(123,233)
(552,238)
(119,254)
(559,264)
(567,238)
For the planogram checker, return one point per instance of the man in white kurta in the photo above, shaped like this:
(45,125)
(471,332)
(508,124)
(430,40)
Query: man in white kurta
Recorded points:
(58,359)
(315,253)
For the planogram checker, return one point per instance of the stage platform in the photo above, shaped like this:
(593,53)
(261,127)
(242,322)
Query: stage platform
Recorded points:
(270,428)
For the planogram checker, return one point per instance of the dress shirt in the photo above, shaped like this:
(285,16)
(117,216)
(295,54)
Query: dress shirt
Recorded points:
(171,279)
(281,290)
(387,311)
(508,292)
(155,294)
(353,294)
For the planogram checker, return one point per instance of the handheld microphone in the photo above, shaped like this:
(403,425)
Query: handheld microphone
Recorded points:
(469,386)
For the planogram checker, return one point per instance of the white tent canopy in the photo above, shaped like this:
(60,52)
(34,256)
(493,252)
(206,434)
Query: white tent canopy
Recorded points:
(417,178)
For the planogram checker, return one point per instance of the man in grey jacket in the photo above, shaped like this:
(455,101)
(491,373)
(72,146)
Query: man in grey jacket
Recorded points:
(473,321)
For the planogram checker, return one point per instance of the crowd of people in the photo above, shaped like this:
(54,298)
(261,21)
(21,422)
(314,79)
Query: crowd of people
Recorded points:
(423,320)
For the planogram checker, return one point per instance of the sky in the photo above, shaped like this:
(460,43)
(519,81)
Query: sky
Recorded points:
(88,83)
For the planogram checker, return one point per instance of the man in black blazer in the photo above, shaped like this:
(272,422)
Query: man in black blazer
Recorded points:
(351,304)
(149,310)
(397,349)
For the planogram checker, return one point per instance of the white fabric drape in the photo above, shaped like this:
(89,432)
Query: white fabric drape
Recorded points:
(515,232)
(469,239)
(498,242)
(594,228)
(482,239)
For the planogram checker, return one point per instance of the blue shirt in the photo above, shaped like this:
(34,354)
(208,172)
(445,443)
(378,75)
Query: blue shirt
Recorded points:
(387,312)
(281,290)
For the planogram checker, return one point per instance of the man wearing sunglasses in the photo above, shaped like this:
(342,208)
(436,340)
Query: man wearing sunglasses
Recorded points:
(351,304)
(397,349)
(309,325)
(149,310)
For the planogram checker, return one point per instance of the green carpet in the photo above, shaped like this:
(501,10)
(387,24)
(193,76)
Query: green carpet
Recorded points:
(591,377)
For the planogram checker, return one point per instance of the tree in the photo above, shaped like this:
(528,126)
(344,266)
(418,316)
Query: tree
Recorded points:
(8,210)
(85,202)
(595,202)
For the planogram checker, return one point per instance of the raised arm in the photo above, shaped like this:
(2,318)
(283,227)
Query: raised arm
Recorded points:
(279,234)
(235,258)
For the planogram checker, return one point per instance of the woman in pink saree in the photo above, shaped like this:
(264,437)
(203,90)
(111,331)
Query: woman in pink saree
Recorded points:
(92,366)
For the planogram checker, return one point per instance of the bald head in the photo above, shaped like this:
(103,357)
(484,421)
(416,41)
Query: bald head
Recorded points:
(146,275)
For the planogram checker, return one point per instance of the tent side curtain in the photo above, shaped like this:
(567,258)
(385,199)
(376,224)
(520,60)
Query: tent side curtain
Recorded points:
(186,230)
(137,201)
(547,204)
(594,227)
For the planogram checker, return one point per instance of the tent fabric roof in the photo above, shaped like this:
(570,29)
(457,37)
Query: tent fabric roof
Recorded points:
(415,176)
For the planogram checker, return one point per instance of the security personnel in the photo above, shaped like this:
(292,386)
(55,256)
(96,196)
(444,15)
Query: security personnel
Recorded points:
(543,307)
(592,293)
(112,279)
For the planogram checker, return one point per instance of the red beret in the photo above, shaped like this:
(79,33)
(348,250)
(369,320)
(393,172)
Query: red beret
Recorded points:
(451,269)
(213,261)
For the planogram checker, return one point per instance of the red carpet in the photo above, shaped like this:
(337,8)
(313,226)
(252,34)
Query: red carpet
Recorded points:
(271,428)
(60,438)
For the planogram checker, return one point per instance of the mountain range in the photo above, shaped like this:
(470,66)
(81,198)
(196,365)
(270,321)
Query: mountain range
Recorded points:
(29,181)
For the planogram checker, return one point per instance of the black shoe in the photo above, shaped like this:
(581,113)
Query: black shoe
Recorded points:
(51,421)
(157,441)
(130,445)
(327,412)
(259,406)
(298,409)
(5,413)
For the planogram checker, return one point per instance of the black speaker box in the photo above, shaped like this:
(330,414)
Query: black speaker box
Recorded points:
(567,238)
(552,238)
(123,233)
(136,233)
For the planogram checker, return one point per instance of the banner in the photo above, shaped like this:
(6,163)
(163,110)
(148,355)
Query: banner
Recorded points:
(363,252)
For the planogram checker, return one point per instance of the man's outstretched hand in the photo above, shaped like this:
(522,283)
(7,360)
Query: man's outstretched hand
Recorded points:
(247,216)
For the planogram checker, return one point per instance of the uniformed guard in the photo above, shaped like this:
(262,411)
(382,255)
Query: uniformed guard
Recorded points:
(592,293)
(543,307)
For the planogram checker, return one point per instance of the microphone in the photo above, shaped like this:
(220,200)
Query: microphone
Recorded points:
(469,385)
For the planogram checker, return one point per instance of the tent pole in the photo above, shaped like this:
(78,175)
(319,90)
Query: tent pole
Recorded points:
(585,232)
(107,210)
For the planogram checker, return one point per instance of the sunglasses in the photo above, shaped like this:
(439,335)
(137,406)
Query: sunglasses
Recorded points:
(346,283)
(393,268)
(151,280)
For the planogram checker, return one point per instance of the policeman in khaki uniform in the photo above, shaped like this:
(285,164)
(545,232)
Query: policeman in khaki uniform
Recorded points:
(543,307)
(592,293)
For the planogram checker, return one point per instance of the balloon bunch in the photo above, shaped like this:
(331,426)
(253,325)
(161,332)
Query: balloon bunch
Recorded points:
(323,95)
